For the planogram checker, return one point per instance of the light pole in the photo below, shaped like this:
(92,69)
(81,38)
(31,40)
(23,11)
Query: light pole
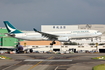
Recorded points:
(97,47)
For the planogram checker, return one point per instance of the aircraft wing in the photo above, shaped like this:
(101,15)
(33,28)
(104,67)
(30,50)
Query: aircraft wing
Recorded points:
(50,36)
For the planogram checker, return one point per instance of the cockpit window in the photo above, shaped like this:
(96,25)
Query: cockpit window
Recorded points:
(98,31)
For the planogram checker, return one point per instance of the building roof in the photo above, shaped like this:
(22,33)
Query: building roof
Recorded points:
(38,43)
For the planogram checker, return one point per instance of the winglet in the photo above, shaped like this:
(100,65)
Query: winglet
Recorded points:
(35,30)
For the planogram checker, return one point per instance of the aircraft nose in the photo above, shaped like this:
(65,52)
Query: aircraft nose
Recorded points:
(100,33)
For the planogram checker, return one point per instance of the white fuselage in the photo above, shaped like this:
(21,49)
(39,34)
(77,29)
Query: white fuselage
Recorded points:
(70,34)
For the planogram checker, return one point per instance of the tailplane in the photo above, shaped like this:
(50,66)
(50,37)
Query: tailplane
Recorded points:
(11,28)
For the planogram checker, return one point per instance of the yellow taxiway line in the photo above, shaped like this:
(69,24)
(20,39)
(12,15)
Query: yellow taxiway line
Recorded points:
(35,65)
(38,63)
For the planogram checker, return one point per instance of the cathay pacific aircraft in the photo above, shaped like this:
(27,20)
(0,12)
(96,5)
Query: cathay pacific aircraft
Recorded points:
(63,36)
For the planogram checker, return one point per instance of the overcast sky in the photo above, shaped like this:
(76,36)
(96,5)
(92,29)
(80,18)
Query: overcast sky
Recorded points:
(29,14)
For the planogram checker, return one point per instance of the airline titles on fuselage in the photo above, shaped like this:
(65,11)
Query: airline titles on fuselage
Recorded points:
(80,31)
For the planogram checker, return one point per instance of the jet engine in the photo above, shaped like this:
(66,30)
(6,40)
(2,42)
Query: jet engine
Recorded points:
(11,35)
(63,39)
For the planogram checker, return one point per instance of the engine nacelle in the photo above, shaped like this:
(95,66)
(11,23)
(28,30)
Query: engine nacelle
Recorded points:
(63,39)
(11,35)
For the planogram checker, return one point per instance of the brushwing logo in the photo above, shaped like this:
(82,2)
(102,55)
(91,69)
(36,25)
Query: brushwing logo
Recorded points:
(11,29)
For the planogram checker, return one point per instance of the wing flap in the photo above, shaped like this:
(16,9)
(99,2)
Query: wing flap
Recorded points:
(50,36)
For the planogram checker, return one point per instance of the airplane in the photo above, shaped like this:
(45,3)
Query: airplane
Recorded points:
(62,36)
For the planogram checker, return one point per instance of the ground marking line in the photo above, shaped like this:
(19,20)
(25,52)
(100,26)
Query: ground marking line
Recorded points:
(38,63)
(35,65)
(56,68)
(51,57)
(47,60)
(12,65)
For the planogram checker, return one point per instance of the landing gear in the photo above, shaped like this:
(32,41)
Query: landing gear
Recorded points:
(53,42)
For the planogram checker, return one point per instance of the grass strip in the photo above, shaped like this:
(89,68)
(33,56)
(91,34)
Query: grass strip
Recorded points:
(99,67)
(4,57)
(100,58)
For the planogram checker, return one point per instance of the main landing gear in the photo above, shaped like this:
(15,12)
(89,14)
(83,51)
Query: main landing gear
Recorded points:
(53,42)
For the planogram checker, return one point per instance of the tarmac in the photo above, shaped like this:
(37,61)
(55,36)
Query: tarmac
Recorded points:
(77,61)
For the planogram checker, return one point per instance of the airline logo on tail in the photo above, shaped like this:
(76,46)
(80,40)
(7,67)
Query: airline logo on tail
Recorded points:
(11,28)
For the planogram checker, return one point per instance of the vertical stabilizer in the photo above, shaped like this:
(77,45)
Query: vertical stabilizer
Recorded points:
(11,28)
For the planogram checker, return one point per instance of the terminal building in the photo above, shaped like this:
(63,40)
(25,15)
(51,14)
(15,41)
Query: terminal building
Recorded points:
(59,46)
(6,41)
(83,43)
(49,28)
